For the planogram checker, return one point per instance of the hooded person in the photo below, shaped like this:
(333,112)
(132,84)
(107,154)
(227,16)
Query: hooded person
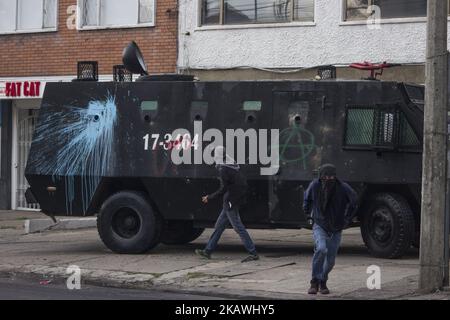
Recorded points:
(332,203)
(233,189)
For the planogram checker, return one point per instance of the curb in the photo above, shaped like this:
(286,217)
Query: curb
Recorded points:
(147,281)
(40,225)
(119,279)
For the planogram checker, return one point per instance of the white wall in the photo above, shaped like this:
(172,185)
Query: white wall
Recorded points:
(327,41)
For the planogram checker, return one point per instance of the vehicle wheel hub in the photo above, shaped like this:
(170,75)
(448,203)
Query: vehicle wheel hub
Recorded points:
(126,223)
(381,225)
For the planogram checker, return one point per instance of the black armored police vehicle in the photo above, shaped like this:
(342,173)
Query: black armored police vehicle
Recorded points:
(137,153)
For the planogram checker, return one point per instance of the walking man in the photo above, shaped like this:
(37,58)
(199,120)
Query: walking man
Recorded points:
(233,187)
(332,203)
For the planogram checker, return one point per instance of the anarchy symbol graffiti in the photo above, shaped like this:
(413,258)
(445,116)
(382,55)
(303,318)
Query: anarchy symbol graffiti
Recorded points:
(296,144)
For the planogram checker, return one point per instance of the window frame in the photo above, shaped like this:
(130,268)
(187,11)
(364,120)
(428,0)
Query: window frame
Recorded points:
(344,22)
(41,30)
(80,18)
(396,144)
(221,25)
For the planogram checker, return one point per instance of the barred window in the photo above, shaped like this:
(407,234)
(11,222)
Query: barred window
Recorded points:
(407,136)
(116,13)
(229,12)
(389,9)
(360,127)
(379,127)
(27,15)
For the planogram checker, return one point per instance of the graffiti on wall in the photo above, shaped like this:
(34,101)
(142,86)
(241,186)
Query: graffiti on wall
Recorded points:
(296,144)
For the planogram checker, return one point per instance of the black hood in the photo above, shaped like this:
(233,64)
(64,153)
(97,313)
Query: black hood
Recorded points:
(327,170)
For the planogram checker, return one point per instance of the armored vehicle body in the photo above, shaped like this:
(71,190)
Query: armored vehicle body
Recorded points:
(107,149)
(107,146)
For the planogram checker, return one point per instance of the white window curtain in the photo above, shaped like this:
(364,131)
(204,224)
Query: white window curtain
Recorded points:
(50,13)
(27,15)
(110,13)
(7,15)
(91,12)
(146,11)
(118,12)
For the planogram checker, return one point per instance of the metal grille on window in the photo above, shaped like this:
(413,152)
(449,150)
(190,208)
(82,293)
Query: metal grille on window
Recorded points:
(385,134)
(327,72)
(360,125)
(87,71)
(121,74)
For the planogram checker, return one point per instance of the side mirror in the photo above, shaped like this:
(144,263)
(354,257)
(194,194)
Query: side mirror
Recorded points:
(133,60)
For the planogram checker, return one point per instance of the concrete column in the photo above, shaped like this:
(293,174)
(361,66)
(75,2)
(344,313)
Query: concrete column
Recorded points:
(434,150)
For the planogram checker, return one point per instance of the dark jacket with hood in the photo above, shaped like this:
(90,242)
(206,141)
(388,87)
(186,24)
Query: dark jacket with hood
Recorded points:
(233,186)
(339,208)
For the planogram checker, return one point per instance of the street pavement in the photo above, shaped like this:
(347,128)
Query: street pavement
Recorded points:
(282,273)
(12,288)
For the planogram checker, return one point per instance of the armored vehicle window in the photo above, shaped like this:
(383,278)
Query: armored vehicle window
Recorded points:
(385,128)
(199,104)
(252,105)
(149,105)
(407,136)
(149,110)
(416,94)
(379,127)
(360,127)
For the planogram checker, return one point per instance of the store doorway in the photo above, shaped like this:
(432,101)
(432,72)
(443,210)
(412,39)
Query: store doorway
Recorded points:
(24,120)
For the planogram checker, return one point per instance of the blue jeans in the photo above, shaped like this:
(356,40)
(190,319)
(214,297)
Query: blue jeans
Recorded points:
(232,216)
(325,251)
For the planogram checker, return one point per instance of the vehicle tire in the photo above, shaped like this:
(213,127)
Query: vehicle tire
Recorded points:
(128,224)
(180,232)
(388,226)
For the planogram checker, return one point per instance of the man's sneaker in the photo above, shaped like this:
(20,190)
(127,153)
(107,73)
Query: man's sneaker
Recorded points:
(314,287)
(203,254)
(323,288)
(252,257)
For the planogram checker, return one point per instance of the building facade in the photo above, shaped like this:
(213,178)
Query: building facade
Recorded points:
(42,40)
(242,39)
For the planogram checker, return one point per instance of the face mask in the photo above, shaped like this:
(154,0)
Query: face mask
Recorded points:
(329,183)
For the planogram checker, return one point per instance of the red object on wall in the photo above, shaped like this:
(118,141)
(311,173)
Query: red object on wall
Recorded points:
(373,67)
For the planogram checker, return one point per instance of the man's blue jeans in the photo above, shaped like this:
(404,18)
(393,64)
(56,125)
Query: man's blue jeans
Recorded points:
(225,217)
(325,251)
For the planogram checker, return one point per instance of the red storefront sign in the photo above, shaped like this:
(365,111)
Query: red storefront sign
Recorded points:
(21,89)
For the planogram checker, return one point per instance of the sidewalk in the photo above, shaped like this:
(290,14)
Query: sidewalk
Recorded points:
(283,271)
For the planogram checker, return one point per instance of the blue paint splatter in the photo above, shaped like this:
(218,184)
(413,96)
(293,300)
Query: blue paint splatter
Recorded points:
(85,137)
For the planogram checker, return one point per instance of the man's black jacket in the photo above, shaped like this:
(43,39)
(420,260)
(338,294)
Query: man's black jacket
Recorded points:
(233,186)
